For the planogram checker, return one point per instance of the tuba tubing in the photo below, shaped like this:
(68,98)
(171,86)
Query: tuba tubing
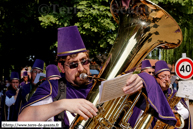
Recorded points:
(143,26)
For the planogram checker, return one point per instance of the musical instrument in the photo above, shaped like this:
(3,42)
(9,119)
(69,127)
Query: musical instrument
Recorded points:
(84,76)
(143,26)
(16,87)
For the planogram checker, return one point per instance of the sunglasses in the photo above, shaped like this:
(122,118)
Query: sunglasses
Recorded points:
(151,72)
(75,64)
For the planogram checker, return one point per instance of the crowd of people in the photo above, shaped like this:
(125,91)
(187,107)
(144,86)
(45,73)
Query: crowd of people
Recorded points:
(62,95)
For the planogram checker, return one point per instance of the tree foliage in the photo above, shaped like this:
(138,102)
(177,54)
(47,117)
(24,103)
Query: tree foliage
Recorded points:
(29,29)
(93,19)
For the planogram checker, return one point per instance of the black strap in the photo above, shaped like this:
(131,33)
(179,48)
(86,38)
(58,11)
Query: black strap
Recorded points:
(61,95)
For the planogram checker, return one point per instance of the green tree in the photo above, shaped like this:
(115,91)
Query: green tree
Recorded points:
(94,21)
(28,29)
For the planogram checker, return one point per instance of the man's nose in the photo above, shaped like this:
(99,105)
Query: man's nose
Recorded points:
(167,78)
(80,67)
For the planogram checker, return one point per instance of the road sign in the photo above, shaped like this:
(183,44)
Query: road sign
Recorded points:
(183,68)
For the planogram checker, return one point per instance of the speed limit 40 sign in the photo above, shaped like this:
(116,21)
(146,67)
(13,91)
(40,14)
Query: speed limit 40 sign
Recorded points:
(183,68)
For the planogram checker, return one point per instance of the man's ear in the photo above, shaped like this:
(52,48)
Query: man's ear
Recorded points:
(61,67)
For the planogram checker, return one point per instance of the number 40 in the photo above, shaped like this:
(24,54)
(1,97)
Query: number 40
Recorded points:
(187,69)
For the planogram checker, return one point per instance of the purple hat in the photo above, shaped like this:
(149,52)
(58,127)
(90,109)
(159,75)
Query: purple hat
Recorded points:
(25,74)
(14,75)
(161,66)
(38,64)
(145,64)
(69,41)
(52,71)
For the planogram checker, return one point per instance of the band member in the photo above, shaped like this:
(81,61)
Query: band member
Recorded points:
(11,95)
(52,72)
(28,89)
(163,75)
(25,79)
(62,98)
(146,67)
(137,112)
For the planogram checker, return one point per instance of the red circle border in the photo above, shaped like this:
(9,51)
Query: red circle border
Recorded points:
(177,67)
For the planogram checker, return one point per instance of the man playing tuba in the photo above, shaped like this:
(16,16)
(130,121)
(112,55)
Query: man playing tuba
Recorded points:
(73,60)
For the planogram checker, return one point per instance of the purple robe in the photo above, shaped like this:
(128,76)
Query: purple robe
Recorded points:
(50,88)
(21,98)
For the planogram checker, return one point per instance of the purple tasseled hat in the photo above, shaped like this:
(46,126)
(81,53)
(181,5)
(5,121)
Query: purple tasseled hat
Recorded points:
(69,41)
(161,66)
(14,75)
(25,74)
(38,64)
(52,71)
(145,64)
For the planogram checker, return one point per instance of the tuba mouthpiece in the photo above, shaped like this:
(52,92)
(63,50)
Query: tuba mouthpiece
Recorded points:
(83,76)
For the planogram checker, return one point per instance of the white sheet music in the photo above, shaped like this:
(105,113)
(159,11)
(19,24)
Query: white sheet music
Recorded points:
(185,89)
(111,89)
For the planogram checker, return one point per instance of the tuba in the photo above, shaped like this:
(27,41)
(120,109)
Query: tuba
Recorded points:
(143,26)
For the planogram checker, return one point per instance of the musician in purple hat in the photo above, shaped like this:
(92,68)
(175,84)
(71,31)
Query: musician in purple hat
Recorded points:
(66,96)
(25,79)
(11,96)
(163,75)
(146,67)
(52,72)
(27,90)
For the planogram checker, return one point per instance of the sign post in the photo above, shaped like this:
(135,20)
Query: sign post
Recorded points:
(183,69)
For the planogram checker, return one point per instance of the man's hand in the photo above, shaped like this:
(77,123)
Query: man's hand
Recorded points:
(174,111)
(133,84)
(80,106)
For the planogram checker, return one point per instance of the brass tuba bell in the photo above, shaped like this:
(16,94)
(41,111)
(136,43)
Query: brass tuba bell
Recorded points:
(143,26)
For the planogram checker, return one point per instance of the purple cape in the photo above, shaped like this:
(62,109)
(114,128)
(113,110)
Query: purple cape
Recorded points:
(157,99)
(10,93)
(21,98)
(50,88)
